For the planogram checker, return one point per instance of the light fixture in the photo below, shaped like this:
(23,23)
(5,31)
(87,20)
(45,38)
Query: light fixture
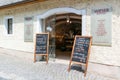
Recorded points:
(49,28)
(68,19)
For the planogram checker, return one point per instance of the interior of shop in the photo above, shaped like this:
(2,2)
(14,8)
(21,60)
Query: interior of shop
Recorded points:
(62,29)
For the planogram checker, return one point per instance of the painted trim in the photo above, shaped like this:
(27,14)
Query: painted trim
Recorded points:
(84,26)
(60,11)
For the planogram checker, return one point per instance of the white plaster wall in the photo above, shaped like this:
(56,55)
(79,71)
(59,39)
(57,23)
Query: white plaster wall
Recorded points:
(103,54)
(99,54)
(15,41)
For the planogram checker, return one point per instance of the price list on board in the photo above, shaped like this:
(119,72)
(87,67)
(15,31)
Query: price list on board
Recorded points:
(81,49)
(41,43)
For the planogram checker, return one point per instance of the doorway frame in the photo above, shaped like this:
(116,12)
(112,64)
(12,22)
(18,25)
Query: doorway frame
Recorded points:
(50,12)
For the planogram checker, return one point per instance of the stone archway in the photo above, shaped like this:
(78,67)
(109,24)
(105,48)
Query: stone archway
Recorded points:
(41,20)
(59,11)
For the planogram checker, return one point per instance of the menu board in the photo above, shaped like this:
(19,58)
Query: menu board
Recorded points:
(81,49)
(41,45)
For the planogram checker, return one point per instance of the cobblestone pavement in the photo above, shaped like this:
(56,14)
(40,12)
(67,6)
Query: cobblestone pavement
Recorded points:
(14,68)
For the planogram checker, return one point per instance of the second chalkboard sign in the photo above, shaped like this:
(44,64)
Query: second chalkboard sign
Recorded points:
(41,45)
(81,50)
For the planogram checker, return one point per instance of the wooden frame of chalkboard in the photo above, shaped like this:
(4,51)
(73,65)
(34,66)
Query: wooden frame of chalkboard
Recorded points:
(41,45)
(81,51)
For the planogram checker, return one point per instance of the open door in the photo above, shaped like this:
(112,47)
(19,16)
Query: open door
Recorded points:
(50,27)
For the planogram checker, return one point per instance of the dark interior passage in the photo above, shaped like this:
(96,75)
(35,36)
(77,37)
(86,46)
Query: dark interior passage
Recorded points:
(62,29)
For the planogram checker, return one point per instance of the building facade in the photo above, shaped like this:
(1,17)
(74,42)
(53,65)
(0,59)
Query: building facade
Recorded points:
(15,21)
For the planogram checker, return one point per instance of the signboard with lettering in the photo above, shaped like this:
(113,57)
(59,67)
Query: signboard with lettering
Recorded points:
(81,50)
(28,29)
(41,45)
(101,21)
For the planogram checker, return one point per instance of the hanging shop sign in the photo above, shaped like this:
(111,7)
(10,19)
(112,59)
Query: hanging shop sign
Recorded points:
(81,51)
(28,29)
(41,45)
(101,21)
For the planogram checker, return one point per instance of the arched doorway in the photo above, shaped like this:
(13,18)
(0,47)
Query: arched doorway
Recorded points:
(62,29)
(62,24)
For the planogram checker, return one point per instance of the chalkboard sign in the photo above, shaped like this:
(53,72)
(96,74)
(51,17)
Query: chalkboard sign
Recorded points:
(41,45)
(81,50)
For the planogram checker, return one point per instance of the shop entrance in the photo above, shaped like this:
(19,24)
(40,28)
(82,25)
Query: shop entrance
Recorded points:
(62,29)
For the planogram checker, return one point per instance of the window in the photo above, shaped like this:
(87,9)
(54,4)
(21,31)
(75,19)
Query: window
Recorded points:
(9,26)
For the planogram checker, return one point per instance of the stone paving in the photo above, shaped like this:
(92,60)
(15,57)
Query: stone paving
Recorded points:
(15,68)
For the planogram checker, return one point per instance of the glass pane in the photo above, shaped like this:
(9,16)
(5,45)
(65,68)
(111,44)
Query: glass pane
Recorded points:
(10,29)
(50,27)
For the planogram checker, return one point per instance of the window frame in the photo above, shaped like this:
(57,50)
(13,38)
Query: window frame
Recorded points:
(6,25)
